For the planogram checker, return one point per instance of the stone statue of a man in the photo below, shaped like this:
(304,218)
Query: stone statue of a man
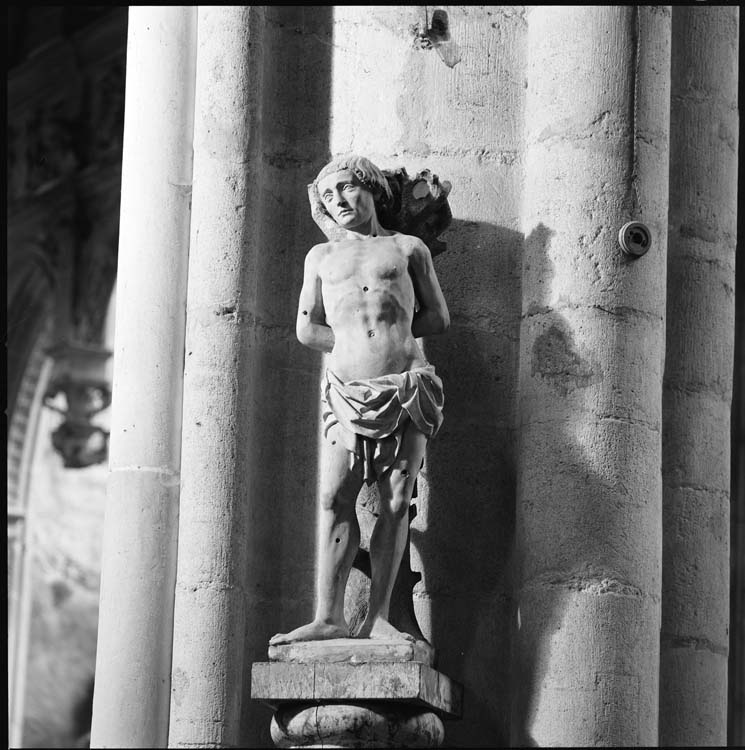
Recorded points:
(366,298)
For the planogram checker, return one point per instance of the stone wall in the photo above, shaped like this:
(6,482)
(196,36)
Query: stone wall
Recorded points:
(403,105)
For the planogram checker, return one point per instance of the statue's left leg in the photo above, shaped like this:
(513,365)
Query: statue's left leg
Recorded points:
(391,532)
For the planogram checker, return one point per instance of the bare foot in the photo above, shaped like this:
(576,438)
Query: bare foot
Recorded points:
(380,628)
(313,631)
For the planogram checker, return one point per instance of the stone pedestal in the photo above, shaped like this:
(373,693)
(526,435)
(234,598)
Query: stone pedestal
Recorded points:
(350,692)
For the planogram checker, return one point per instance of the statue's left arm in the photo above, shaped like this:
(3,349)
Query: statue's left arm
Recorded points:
(432,317)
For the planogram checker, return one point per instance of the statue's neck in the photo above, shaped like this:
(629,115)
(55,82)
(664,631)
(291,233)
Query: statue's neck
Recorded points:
(371,228)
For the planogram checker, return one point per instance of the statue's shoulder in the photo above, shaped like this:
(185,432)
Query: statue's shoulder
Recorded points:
(411,245)
(318,252)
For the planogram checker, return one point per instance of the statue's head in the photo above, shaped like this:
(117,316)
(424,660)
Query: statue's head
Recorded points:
(412,205)
(365,173)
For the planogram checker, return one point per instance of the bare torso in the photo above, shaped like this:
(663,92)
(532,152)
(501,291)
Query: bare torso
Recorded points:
(369,302)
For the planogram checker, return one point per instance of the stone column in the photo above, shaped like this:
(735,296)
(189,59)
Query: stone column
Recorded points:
(697,393)
(133,665)
(736,674)
(210,605)
(290,76)
(589,492)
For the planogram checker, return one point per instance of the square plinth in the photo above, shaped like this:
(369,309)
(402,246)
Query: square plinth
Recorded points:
(278,682)
(354,651)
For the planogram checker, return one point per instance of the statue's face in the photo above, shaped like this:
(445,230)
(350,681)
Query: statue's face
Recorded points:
(347,200)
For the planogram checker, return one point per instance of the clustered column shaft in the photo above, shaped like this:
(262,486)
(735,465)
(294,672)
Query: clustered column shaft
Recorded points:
(697,394)
(133,664)
(210,605)
(591,354)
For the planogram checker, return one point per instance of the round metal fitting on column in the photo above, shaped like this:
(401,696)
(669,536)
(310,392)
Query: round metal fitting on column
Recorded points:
(635,238)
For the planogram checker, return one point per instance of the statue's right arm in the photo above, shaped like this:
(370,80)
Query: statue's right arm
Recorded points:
(311,327)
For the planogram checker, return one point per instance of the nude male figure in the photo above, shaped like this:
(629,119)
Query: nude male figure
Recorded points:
(366,299)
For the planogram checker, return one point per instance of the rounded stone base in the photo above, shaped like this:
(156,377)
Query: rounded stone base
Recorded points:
(363,724)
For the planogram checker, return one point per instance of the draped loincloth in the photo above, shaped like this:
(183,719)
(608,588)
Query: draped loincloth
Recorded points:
(375,413)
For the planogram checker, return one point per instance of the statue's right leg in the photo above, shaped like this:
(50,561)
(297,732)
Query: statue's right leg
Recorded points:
(338,539)
(338,528)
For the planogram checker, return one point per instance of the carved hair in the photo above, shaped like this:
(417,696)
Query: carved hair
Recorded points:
(367,173)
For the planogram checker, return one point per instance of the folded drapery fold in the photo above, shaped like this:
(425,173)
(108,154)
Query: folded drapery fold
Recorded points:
(376,412)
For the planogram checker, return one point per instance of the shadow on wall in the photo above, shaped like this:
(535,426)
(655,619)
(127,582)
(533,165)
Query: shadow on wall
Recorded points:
(466,547)
(295,47)
(564,505)
(529,667)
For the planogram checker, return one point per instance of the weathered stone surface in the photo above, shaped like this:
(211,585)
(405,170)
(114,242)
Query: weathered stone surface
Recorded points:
(697,389)
(348,725)
(589,489)
(409,682)
(354,651)
(274,682)
(210,602)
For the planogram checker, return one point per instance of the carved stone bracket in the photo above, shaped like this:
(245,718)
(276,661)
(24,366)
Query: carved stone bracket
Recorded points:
(419,207)
(79,381)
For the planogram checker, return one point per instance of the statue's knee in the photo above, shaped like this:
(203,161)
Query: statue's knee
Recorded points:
(402,482)
(398,506)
